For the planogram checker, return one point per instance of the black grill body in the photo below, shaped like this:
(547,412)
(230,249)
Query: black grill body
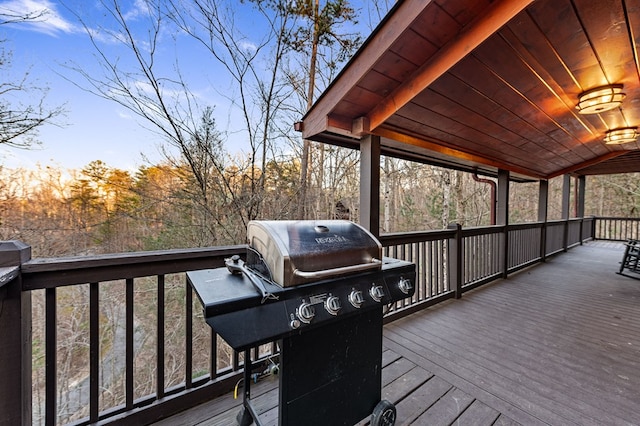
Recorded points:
(329,333)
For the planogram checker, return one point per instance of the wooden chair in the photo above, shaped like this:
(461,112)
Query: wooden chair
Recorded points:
(630,260)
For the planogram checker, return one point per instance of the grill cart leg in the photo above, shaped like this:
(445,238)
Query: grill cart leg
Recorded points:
(384,414)
(247,414)
(244,417)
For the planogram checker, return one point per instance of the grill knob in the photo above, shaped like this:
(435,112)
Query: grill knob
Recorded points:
(332,305)
(356,298)
(295,323)
(305,312)
(376,292)
(405,285)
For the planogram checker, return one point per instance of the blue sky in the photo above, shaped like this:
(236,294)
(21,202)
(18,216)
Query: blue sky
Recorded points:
(95,128)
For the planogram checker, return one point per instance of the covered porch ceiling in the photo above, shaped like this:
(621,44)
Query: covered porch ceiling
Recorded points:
(482,85)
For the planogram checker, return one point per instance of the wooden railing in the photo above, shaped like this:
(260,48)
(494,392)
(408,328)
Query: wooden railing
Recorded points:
(133,369)
(118,280)
(616,228)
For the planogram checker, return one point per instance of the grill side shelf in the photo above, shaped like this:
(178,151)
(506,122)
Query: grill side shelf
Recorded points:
(221,292)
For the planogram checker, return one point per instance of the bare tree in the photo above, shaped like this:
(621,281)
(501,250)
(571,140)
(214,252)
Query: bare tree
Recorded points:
(253,64)
(134,77)
(20,120)
(319,34)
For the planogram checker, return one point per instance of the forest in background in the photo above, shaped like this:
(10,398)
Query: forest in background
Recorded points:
(100,209)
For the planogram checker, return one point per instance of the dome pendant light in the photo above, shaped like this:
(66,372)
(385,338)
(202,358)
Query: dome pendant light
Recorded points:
(600,99)
(620,136)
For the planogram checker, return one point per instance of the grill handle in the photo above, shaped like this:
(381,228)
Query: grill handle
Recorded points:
(325,273)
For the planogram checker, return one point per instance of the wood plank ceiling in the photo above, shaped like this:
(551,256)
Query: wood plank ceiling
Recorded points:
(487,85)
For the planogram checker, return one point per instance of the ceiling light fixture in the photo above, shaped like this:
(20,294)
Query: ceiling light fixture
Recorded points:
(600,99)
(622,135)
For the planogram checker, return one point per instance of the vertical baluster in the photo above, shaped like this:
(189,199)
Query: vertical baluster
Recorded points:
(51,372)
(484,252)
(160,323)
(94,351)
(437,254)
(411,258)
(488,254)
(470,256)
(441,255)
(424,270)
(188,344)
(513,248)
(435,249)
(129,328)
(236,361)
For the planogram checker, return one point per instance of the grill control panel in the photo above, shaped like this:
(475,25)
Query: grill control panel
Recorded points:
(348,296)
(234,308)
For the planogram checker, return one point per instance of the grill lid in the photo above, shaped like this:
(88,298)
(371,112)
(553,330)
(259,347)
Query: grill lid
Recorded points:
(296,252)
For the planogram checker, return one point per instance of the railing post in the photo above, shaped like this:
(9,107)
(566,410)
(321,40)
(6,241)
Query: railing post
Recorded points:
(15,336)
(543,242)
(455,260)
(502,217)
(543,210)
(370,184)
(582,183)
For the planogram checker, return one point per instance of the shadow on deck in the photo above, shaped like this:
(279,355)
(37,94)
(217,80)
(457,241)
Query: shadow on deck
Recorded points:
(556,344)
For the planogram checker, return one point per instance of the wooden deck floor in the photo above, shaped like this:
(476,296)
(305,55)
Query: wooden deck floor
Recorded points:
(556,344)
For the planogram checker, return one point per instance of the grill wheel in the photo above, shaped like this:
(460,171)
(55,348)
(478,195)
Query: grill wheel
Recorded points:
(384,414)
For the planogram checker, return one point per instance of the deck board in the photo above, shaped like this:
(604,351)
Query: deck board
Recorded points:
(477,414)
(557,343)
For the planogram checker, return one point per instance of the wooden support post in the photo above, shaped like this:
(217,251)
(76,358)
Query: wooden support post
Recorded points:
(370,184)
(502,216)
(455,260)
(582,182)
(15,336)
(543,209)
(566,206)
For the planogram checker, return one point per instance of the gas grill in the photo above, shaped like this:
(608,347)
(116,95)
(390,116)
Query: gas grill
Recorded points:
(319,288)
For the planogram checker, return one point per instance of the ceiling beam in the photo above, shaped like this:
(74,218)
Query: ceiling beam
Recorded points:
(587,163)
(468,39)
(395,24)
(452,152)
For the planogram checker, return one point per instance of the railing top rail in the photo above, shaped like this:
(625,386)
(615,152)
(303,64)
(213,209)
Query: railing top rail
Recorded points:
(398,238)
(482,230)
(56,272)
(617,218)
(561,221)
(530,225)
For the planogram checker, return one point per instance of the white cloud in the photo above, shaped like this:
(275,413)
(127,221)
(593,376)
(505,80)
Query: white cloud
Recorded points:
(140,8)
(50,21)
(124,115)
(247,46)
